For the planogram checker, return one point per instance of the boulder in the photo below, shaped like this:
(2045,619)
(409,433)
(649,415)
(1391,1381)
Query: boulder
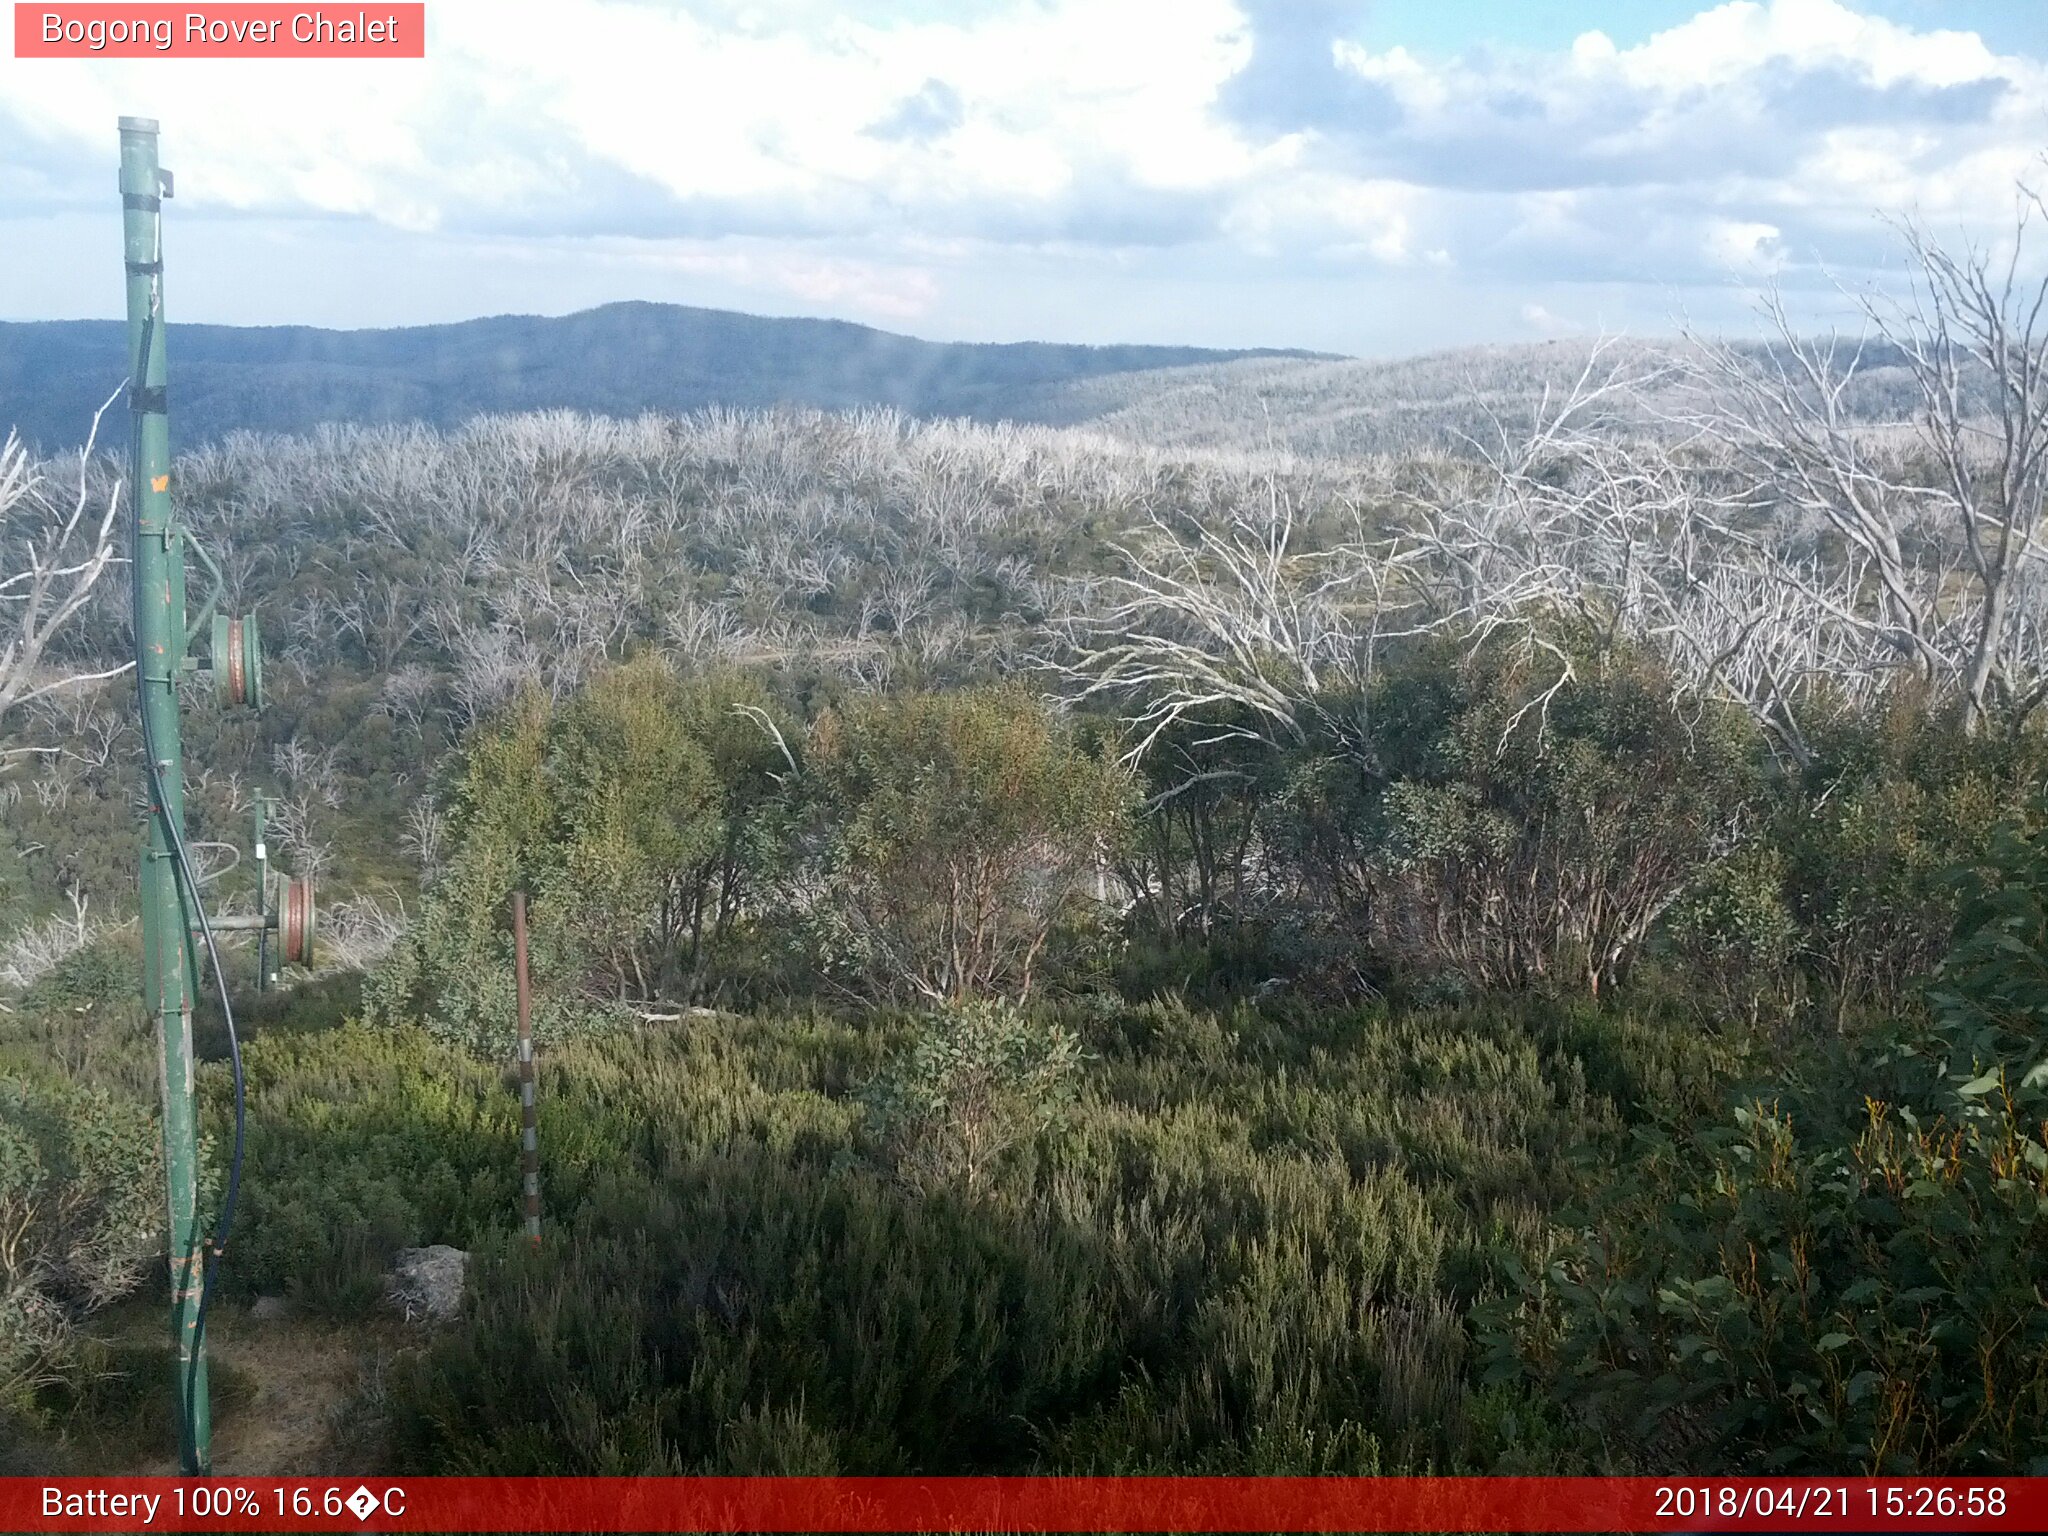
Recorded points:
(425,1284)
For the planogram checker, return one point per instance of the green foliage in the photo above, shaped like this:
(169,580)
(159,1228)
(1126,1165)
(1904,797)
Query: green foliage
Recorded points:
(1738,940)
(81,1021)
(1805,1288)
(81,1192)
(1533,828)
(452,972)
(1221,1238)
(980,1079)
(962,835)
(637,815)
(636,803)
(115,1402)
(95,980)
(1871,834)
(361,1142)
(1247,1249)
(1990,1000)
(1187,862)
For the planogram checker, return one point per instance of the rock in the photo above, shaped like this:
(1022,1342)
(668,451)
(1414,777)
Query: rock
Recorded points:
(425,1284)
(270,1309)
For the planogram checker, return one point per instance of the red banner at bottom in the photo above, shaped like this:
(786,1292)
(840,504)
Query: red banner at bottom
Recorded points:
(1051,1504)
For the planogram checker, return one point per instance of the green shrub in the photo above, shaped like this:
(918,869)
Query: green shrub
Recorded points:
(1871,833)
(1738,941)
(82,1022)
(980,1079)
(1801,1286)
(1248,959)
(959,841)
(637,803)
(452,971)
(97,978)
(640,817)
(1532,828)
(115,1402)
(311,1006)
(1248,1249)
(81,1215)
(1192,864)
(361,1142)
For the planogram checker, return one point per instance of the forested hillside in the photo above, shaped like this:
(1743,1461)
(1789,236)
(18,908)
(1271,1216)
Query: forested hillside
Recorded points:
(624,359)
(1053,954)
(621,359)
(1475,400)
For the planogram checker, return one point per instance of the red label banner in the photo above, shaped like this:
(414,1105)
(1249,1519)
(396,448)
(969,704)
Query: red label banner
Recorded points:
(1048,1504)
(234,31)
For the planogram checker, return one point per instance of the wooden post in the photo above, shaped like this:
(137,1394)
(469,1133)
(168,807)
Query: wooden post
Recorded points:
(529,1125)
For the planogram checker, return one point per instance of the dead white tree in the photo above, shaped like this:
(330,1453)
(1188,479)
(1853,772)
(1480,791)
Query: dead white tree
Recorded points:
(1580,537)
(1943,531)
(406,695)
(1197,624)
(53,552)
(1253,628)
(291,825)
(38,947)
(1547,540)
(357,932)
(425,837)
(1975,320)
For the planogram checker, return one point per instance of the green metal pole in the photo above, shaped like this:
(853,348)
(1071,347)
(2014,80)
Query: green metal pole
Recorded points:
(159,574)
(261,803)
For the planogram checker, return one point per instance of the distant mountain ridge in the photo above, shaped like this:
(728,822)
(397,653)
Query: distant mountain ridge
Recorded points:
(618,360)
(1456,402)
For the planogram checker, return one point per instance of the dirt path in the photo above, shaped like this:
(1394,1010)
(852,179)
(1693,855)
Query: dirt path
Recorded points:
(289,1400)
(307,1378)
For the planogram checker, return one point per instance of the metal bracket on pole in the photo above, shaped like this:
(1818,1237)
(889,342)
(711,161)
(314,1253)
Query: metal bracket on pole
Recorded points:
(260,805)
(529,1122)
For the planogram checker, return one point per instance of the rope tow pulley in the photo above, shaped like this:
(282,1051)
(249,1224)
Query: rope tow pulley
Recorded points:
(237,661)
(295,923)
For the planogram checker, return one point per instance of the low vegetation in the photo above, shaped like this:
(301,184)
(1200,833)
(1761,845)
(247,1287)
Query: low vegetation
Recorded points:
(1055,957)
(1167,1201)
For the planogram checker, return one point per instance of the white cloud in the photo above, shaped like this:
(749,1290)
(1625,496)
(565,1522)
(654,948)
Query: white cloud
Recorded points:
(1417,86)
(1592,47)
(523,90)
(750,142)
(1732,41)
(1744,245)
(1754,135)
(888,289)
(1545,323)
(1325,214)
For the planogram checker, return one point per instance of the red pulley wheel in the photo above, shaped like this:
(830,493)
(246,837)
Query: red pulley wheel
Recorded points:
(295,923)
(237,661)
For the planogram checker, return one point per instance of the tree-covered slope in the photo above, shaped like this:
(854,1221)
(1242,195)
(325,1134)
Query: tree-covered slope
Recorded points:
(617,360)
(1442,402)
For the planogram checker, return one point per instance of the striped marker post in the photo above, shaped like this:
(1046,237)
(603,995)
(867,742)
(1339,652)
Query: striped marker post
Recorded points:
(529,1124)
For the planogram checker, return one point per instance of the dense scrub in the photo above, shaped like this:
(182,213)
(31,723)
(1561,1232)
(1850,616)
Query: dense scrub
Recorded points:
(1145,1236)
(1051,957)
(79,1180)
(1843,1269)
(1239,1242)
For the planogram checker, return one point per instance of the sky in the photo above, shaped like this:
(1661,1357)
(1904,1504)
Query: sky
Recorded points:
(1371,177)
